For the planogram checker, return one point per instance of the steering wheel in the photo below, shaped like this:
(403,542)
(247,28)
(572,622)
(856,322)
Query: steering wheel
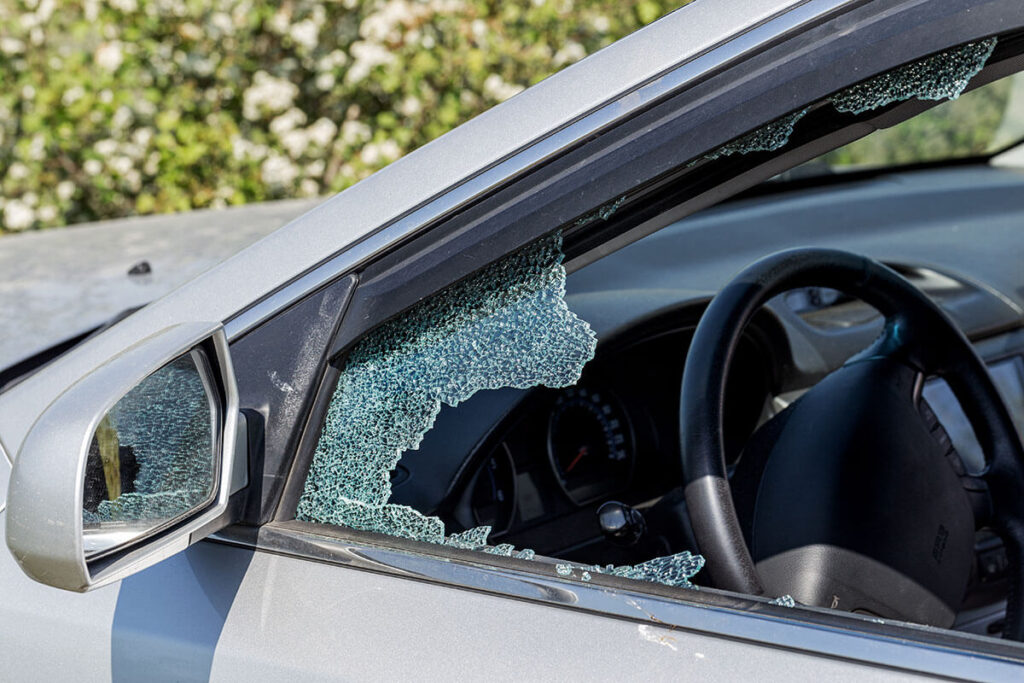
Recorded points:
(859,501)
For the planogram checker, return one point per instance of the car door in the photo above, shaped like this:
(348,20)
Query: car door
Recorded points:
(274,597)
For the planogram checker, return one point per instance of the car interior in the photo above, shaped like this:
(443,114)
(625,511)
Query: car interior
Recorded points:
(835,466)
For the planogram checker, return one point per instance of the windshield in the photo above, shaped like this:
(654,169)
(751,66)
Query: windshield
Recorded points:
(981,123)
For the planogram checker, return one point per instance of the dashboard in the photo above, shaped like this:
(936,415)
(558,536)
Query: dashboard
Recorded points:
(540,475)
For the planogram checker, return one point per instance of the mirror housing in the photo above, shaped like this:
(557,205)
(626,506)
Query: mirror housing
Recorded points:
(46,506)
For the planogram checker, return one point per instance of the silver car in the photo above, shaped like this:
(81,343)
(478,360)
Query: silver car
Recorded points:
(635,376)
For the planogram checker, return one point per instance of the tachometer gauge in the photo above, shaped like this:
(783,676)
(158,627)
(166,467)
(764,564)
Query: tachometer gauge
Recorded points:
(589,444)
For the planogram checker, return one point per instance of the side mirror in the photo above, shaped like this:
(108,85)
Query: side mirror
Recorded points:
(131,464)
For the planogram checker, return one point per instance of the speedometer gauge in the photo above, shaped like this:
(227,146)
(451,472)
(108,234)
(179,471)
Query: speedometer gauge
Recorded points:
(590,444)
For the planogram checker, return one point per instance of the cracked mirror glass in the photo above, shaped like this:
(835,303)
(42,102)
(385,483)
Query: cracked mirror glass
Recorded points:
(153,456)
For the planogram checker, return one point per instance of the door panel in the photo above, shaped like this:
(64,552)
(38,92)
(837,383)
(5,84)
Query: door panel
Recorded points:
(50,634)
(295,619)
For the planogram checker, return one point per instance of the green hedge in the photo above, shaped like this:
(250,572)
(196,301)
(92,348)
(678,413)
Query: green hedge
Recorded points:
(126,107)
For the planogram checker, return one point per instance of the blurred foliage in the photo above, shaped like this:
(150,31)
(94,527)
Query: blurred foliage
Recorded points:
(129,107)
(979,122)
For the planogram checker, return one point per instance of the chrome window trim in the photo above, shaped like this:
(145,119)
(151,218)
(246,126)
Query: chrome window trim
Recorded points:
(463,192)
(820,632)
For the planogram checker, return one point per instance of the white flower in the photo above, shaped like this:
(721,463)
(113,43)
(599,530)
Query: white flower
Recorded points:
(280,21)
(36,148)
(367,56)
(267,94)
(121,118)
(278,170)
(17,171)
(325,81)
(134,179)
(410,106)
(72,95)
(121,165)
(322,132)
(92,167)
(142,136)
(18,215)
(370,154)
(65,190)
(109,56)
(28,93)
(222,22)
(126,6)
(295,142)
(305,33)
(570,52)
(290,120)
(601,23)
(496,88)
(106,96)
(30,198)
(11,46)
(243,150)
(331,61)
(105,147)
(48,213)
(45,10)
(309,188)
(152,164)
(315,169)
(375,153)
(354,132)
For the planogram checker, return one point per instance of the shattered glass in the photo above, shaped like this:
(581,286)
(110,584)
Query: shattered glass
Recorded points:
(506,326)
(941,76)
(767,138)
(602,213)
(671,570)
(509,325)
(152,456)
(783,601)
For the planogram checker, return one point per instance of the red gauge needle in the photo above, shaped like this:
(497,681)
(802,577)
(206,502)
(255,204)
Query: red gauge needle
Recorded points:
(583,451)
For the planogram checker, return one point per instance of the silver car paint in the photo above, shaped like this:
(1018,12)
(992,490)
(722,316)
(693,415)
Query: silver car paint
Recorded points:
(49,634)
(466,153)
(373,627)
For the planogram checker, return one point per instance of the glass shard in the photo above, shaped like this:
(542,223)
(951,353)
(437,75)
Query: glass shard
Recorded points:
(506,326)
(603,213)
(941,76)
(670,570)
(767,138)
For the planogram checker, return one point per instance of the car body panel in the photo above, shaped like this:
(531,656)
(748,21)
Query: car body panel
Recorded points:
(58,284)
(47,633)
